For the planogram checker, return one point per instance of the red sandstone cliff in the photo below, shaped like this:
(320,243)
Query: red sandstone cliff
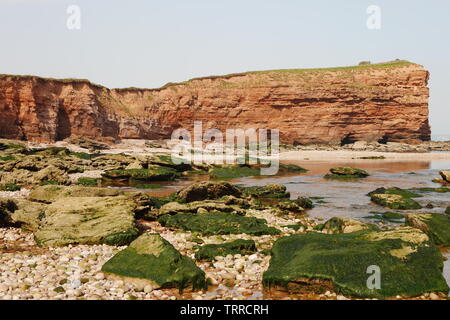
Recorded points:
(378,102)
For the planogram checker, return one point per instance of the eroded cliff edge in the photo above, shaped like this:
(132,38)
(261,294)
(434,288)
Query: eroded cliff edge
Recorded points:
(379,102)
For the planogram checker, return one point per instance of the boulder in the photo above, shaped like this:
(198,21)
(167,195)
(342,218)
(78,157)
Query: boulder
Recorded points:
(395,198)
(408,262)
(52,193)
(346,173)
(51,174)
(305,203)
(395,201)
(435,225)
(87,220)
(153,173)
(208,190)
(345,225)
(193,207)
(290,206)
(151,260)
(445,175)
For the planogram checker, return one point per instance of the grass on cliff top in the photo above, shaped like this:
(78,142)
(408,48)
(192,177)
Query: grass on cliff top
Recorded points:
(390,64)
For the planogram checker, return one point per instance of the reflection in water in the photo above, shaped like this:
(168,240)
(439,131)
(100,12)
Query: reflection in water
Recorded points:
(349,198)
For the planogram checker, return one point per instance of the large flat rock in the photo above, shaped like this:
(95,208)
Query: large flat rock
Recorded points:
(88,220)
(408,261)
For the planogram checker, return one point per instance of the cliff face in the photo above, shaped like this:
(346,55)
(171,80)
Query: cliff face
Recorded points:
(385,102)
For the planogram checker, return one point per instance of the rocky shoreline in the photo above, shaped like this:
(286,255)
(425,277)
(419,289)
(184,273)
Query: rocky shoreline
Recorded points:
(67,231)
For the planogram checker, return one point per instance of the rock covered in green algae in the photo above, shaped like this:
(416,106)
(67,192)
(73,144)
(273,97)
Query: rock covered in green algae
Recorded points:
(193,207)
(395,190)
(290,206)
(208,252)
(51,193)
(435,225)
(273,190)
(305,203)
(395,201)
(345,225)
(395,198)
(88,220)
(152,259)
(346,173)
(208,190)
(218,223)
(409,263)
(447,211)
(153,173)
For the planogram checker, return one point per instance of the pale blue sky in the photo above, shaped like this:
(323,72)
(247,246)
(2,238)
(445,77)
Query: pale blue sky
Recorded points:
(149,43)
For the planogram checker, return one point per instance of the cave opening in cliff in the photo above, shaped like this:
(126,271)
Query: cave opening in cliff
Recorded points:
(348,139)
(63,129)
(384,139)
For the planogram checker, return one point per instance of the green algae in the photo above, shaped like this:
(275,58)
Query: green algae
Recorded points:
(152,258)
(218,223)
(208,252)
(10,187)
(154,173)
(346,173)
(290,168)
(89,182)
(121,238)
(407,268)
(394,190)
(435,225)
(305,203)
(395,198)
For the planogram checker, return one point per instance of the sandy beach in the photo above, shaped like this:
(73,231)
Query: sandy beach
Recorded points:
(344,155)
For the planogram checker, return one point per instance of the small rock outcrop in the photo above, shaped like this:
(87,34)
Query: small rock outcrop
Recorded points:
(435,225)
(87,220)
(152,260)
(208,190)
